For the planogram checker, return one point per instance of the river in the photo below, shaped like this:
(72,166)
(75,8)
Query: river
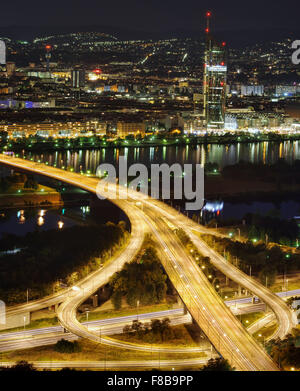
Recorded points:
(223,155)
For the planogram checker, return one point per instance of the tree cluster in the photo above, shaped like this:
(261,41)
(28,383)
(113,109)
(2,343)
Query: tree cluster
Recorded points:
(49,259)
(277,230)
(218,365)
(203,262)
(154,331)
(286,352)
(20,366)
(265,261)
(64,346)
(141,281)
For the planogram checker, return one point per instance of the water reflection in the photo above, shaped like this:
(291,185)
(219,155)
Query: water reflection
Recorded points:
(219,210)
(60,224)
(20,222)
(20,216)
(40,221)
(223,155)
(42,212)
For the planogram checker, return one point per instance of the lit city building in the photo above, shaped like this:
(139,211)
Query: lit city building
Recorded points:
(78,78)
(214,80)
(130,128)
(58,129)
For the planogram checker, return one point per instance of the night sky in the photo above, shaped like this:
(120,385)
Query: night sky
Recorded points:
(153,15)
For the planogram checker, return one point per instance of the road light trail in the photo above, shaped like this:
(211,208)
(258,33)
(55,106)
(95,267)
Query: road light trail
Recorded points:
(202,300)
(286,318)
(208,310)
(18,340)
(182,363)
(50,335)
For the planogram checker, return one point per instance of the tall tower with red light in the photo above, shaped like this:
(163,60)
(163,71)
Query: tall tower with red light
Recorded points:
(214,79)
(48,56)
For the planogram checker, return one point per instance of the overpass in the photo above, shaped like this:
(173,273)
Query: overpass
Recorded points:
(25,339)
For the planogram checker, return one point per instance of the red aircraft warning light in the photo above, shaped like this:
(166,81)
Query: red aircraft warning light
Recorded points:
(208,15)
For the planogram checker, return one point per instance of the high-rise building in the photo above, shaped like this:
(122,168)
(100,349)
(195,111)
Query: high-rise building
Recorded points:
(252,90)
(214,80)
(78,78)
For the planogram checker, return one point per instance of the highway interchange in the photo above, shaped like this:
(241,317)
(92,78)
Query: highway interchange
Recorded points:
(222,328)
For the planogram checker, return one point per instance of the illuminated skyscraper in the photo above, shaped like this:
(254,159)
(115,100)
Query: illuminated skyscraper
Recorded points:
(78,78)
(214,80)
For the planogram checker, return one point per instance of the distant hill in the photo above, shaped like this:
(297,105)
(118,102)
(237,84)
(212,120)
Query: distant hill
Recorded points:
(234,38)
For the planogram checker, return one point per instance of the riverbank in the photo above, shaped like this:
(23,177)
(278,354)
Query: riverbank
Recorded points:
(43,196)
(94,142)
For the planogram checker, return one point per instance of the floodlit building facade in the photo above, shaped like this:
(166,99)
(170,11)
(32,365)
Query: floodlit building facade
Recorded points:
(214,81)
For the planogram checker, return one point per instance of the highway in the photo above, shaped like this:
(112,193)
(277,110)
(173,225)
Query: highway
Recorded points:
(226,333)
(262,322)
(17,340)
(246,300)
(286,318)
(183,363)
(26,339)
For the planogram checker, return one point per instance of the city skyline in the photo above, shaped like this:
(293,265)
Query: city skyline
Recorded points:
(149,189)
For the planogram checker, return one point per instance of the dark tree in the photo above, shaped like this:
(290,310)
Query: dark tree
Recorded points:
(64,346)
(217,364)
